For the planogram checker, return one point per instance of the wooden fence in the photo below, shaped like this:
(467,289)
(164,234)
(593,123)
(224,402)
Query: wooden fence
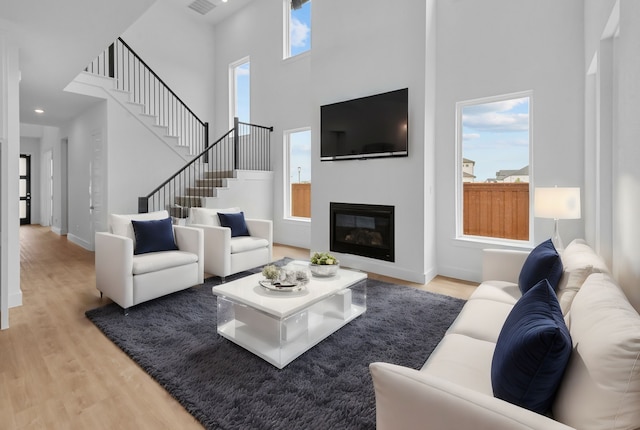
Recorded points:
(496,210)
(301,200)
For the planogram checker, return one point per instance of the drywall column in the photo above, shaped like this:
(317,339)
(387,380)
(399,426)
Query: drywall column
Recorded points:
(10,294)
(626,178)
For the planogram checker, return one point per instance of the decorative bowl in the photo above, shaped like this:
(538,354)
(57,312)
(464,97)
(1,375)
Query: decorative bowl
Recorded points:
(324,270)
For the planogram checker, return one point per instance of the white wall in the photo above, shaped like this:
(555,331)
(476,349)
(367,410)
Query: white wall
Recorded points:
(134,162)
(497,47)
(176,43)
(138,161)
(280,92)
(612,36)
(358,48)
(10,293)
(79,132)
(361,48)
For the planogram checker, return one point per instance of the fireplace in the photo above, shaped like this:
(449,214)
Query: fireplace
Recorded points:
(366,230)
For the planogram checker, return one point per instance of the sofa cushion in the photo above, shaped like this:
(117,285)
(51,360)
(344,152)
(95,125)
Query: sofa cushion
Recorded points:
(570,283)
(247,243)
(121,224)
(578,262)
(156,261)
(154,236)
(601,385)
(462,360)
(542,263)
(236,222)
(208,216)
(532,351)
(498,291)
(481,319)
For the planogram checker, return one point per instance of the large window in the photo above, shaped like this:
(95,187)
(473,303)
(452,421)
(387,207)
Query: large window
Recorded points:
(494,147)
(240,91)
(297,144)
(297,23)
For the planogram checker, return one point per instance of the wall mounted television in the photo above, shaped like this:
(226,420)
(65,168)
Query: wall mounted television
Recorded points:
(366,127)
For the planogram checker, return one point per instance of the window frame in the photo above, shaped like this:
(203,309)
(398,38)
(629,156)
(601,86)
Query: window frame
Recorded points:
(286,33)
(286,137)
(233,88)
(459,182)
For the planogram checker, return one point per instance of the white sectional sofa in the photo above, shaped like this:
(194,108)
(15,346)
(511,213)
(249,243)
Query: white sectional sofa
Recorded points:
(600,388)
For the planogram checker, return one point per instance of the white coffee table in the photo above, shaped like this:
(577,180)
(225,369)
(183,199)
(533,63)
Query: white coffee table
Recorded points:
(279,326)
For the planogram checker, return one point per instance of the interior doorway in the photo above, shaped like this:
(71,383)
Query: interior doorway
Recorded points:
(24,170)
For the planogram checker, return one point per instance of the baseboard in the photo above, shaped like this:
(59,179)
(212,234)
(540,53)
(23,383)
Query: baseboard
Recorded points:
(459,273)
(79,241)
(15,299)
(58,231)
(381,268)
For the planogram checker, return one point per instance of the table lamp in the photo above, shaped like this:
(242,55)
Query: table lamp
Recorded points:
(557,203)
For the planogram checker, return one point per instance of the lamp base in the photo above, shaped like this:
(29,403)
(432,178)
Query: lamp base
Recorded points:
(555,239)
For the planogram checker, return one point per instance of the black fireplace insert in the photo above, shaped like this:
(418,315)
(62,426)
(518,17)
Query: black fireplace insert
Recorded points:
(361,229)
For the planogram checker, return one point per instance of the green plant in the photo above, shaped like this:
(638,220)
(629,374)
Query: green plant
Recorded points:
(323,258)
(271,272)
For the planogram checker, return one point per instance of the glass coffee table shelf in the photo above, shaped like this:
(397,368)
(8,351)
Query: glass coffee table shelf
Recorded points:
(279,326)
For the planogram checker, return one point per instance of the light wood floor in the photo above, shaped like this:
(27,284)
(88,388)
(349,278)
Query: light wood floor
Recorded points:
(58,371)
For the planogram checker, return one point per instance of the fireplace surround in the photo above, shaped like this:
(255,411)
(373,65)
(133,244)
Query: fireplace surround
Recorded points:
(362,229)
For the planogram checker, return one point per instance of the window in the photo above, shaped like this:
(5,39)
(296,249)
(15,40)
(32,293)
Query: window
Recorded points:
(297,27)
(240,91)
(297,144)
(494,147)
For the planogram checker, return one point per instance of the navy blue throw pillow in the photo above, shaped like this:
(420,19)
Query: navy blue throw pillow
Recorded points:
(532,351)
(154,236)
(542,263)
(236,222)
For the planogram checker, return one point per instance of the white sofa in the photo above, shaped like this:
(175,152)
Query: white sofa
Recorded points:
(225,255)
(130,279)
(600,388)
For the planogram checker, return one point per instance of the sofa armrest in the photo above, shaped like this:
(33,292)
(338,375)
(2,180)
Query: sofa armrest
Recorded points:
(217,249)
(191,240)
(114,267)
(262,228)
(502,264)
(411,399)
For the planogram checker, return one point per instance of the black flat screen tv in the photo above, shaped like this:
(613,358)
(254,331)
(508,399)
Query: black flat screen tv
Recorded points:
(367,127)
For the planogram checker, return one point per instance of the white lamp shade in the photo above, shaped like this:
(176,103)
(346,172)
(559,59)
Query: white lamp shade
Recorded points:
(557,203)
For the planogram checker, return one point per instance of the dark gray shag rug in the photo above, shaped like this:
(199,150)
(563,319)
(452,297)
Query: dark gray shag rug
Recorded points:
(222,385)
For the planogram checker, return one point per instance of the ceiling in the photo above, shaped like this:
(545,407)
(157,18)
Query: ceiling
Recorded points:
(57,39)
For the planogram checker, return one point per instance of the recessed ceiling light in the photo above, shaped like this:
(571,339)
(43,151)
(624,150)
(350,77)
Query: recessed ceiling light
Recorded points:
(224,1)
(38,111)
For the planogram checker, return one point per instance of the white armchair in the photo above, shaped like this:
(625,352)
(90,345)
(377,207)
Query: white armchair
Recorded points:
(129,279)
(225,255)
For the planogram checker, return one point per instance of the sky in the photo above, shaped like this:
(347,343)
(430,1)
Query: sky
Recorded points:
(243,92)
(496,136)
(300,29)
(300,156)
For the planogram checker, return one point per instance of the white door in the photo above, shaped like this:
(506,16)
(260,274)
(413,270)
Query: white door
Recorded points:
(96,186)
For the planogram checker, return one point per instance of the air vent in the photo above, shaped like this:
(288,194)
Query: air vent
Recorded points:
(202,6)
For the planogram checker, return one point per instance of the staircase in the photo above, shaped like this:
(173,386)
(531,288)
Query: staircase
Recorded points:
(144,90)
(245,147)
(210,168)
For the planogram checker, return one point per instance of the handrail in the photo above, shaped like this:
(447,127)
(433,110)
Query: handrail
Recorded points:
(133,75)
(186,166)
(159,79)
(246,147)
